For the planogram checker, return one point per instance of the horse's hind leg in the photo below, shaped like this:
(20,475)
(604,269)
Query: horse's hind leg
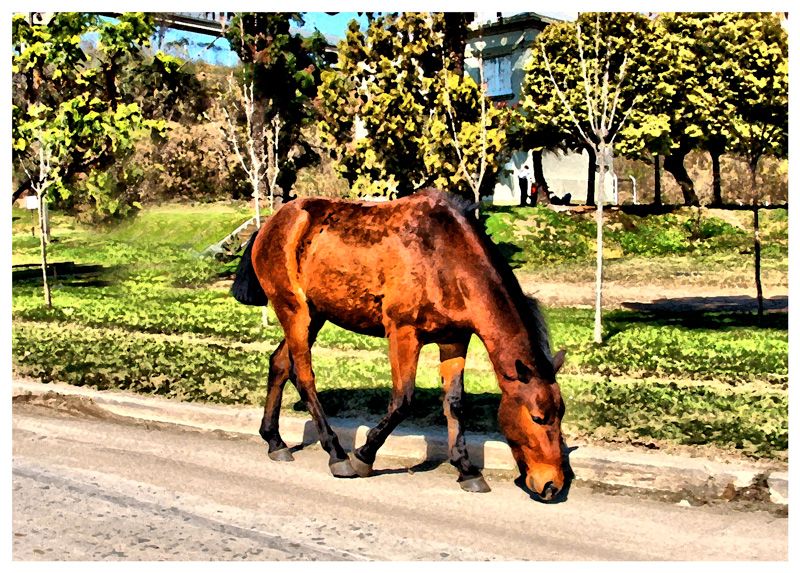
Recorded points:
(451,368)
(300,335)
(404,347)
(279,372)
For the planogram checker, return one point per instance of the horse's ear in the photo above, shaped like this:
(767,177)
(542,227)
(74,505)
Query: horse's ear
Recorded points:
(524,374)
(558,360)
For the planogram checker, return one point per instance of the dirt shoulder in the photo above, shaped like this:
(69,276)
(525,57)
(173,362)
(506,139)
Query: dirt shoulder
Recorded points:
(681,297)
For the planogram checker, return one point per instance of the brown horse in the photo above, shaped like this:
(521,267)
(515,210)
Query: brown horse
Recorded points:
(417,270)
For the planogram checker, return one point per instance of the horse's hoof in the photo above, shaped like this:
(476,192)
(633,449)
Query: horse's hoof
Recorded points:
(475,485)
(343,469)
(363,469)
(282,455)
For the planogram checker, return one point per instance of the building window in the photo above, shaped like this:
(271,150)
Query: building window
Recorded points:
(497,75)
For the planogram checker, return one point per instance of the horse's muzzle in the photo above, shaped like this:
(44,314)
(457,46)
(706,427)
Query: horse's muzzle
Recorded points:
(545,481)
(549,491)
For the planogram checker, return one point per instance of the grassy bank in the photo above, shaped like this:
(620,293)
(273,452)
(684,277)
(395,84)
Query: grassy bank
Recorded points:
(751,417)
(703,247)
(152,321)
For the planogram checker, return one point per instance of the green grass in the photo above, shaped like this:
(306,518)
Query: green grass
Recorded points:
(153,322)
(752,418)
(723,347)
(707,247)
(177,226)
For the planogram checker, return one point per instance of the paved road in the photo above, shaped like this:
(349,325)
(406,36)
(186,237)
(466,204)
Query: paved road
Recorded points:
(89,486)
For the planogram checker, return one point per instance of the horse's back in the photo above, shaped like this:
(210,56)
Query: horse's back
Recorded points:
(365,266)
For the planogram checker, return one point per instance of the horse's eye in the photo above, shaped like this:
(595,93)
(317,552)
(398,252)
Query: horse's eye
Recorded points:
(538,420)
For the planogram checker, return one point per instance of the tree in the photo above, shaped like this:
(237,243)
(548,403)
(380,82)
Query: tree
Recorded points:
(282,73)
(603,69)
(675,121)
(65,125)
(752,100)
(50,138)
(385,108)
(559,63)
(255,145)
(60,81)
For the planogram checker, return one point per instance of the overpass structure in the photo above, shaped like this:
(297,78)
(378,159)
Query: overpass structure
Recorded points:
(209,23)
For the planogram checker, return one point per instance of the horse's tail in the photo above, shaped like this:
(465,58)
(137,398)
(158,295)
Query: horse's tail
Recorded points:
(246,288)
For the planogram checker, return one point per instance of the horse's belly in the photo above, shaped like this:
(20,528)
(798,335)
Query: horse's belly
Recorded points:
(350,297)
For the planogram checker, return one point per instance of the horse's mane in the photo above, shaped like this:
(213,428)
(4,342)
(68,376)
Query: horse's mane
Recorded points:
(528,307)
(460,203)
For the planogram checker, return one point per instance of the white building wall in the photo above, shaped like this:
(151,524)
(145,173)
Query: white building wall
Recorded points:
(564,172)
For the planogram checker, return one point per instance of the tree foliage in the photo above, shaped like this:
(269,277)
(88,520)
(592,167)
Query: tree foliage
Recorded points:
(68,102)
(385,108)
(589,74)
(284,69)
(703,78)
(752,100)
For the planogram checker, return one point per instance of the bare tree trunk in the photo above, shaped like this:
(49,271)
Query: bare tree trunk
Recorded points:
(257,201)
(756,238)
(43,244)
(542,189)
(591,176)
(46,219)
(598,286)
(716,177)
(657,180)
(674,164)
(757,254)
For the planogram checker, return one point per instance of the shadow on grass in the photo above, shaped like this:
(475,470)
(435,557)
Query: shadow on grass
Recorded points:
(66,273)
(510,253)
(709,313)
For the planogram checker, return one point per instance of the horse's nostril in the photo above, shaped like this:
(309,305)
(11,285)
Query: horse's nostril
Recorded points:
(549,491)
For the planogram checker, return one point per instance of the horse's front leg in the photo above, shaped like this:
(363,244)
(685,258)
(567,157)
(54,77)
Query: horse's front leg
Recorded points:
(452,360)
(404,347)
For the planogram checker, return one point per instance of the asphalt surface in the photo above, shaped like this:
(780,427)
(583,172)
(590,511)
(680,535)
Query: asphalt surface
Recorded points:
(88,485)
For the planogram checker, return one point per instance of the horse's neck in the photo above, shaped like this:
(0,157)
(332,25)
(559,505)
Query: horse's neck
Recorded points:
(506,337)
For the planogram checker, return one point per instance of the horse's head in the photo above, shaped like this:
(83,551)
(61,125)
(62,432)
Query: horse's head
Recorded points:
(530,415)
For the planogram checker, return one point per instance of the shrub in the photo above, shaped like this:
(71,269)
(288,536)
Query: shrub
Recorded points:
(194,163)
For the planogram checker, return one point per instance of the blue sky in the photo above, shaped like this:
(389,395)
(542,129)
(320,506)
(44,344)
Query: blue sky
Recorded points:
(334,26)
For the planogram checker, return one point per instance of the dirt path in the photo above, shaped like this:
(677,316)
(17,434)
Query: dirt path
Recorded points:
(682,297)
(92,488)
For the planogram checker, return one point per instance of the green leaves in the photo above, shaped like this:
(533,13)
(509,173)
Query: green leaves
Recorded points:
(131,31)
(704,80)
(285,69)
(63,112)
(393,79)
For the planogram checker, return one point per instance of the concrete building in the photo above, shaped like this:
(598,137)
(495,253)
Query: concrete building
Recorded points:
(505,42)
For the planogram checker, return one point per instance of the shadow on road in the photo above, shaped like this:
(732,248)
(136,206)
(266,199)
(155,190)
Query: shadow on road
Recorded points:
(368,405)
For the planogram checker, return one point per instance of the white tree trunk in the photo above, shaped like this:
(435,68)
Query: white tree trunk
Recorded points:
(45,218)
(43,244)
(598,286)
(257,201)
